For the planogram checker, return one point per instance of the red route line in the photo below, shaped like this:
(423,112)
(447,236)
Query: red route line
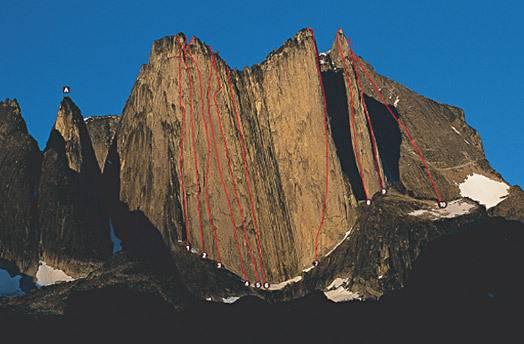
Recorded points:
(246,173)
(195,158)
(231,172)
(415,147)
(352,121)
(181,146)
(219,165)
(368,120)
(206,175)
(324,206)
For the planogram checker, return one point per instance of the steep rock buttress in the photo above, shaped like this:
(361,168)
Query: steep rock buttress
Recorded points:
(74,227)
(266,122)
(19,166)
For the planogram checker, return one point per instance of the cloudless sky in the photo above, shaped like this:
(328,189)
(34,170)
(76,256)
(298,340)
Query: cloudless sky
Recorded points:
(465,53)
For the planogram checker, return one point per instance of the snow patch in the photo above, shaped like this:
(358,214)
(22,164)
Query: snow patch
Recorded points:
(337,292)
(454,209)
(308,268)
(9,286)
(396,101)
(282,285)
(341,294)
(337,282)
(47,275)
(230,299)
(455,130)
(117,243)
(340,242)
(484,190)
(346,235)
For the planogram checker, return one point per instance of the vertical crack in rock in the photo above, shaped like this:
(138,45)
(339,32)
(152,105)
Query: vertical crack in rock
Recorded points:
(362,143)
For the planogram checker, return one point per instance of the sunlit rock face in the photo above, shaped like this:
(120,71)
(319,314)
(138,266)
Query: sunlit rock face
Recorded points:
(234,162)
(267,122)
(304,158)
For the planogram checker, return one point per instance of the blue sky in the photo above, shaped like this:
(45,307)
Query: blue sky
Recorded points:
(465,53)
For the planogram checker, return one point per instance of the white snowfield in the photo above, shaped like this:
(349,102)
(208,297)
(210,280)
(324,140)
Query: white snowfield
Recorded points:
(336,291)
(484,190)
(9,286)
(341,294)
(47,275)
(454,209)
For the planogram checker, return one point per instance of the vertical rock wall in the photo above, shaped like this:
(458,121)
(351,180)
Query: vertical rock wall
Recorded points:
(278,129)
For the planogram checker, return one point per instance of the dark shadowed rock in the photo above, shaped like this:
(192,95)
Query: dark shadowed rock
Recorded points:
(74,227)
(102,130)
(19,169)
(511,208)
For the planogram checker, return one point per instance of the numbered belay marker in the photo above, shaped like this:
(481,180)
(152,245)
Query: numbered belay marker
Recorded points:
(66,89)
(442,204)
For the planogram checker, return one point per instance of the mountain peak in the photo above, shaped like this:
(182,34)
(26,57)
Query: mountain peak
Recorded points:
(168,46)
(11,117)
(74,227)
(72,128)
